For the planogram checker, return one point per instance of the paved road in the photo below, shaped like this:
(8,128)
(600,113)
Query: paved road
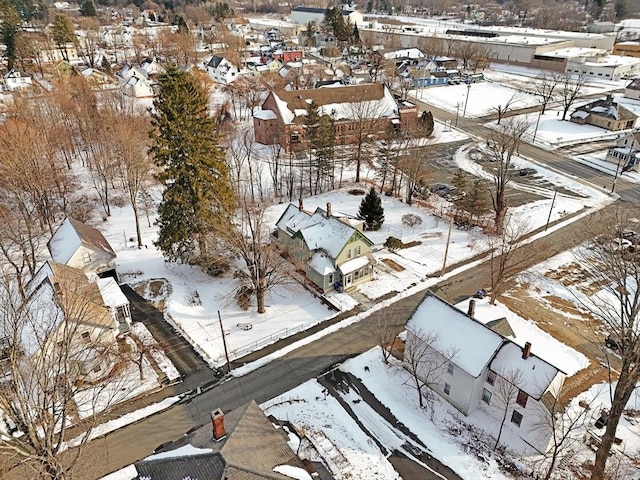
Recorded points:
(554,159)
(137,441)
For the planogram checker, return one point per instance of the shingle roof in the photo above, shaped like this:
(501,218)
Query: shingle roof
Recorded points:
(634,85)
(606,108)
(209,466)
(68,237)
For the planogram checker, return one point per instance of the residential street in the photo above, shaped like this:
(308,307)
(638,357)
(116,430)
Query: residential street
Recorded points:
(137,441)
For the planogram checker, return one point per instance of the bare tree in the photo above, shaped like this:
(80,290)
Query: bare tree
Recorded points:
(425,365)
(545,87)
(367,121)
(507,258)
(616,303)
(565,426)
(51,352)
(503,145)
(501,110)
(570,90)
(415,171)
(506,388)
(247,237)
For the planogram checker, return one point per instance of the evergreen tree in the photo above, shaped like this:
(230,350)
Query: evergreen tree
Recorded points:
(9,31)
(63,33)
(88,9)
(371,210)
(198,191)
(105,65)
(459,181)
(355,35)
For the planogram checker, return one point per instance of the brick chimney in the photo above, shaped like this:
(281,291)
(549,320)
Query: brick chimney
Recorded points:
(328,210)
(472,308)
(217,424)
(526,350)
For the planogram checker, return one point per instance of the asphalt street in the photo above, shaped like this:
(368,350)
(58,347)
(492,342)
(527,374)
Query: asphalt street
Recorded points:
(136,441)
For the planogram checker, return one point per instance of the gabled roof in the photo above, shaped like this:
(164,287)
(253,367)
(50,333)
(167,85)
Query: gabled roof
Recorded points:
(329,234)
(215,61)
(473,344)
(634,85)
(70,235)
(535,374)
(251,450)
(208,466)
(340,102)
(605,108)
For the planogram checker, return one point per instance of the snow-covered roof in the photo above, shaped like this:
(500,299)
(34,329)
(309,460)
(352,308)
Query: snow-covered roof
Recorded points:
(580,114)
(473,344)
(321,263)
(329,234)
(70,235)
(404,53)
(535,373)
(265,115)
(111,293)
(340,102)
(353,264)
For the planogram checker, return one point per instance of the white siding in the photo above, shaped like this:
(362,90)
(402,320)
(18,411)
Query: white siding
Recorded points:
(99,261)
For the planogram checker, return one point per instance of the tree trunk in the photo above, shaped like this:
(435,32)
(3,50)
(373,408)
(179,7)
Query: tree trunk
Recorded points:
(136,216)
(504,417)
(552,465)
(140,365)
(260,294)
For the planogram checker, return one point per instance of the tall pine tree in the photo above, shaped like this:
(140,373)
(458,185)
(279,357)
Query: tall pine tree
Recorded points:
(371,210)
(198,191)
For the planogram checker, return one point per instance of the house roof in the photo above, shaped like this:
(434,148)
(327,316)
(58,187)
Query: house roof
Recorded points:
(111,293)
(605,108)
(70,235)
(535,374)
(501,326)
(251,450)
(367,100)
(473,344)
(215,61)
(321,263)
(634,85)
(208,466)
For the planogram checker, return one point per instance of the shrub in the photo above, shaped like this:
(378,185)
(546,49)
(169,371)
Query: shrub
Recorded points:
(411,220)
(393,243)
(356,191)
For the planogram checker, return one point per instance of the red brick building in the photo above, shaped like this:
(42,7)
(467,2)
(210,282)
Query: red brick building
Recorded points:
(369,108)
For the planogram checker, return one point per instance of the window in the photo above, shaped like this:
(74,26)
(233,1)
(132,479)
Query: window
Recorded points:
(447,388)
(356,275)
(522,399)
(86,336)
(349,253)
(486,396)
(86,257)
(97,369)
(491,378)
(516,418)
(358,250)
(295,137)
(450,368)
(331,278)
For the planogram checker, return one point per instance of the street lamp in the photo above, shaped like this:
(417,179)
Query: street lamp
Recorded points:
(464,111)
(457,111)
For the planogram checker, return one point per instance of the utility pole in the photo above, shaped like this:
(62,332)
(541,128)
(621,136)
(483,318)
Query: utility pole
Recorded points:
(464,112)
(446,249)
(555,192)
(615,178)
(224,343)
(457,112)
(535,131)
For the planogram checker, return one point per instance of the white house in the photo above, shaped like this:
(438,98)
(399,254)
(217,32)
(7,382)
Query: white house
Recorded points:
(626,153)
(222,70)
(68,306)
(151,67)
(136,83)
(467,360)
(81,246)
(15,80)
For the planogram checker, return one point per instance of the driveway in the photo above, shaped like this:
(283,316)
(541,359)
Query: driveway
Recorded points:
(179,351)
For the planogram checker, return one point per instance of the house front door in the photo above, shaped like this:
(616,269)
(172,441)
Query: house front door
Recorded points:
(348,279)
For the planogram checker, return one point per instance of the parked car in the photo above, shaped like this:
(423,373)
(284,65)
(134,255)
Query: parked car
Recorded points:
(622,244)
(445,192)
(527,171)
(436,187)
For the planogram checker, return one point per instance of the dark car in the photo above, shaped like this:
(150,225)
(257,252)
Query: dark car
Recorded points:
(527,171)
(445,192)
(436,187)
